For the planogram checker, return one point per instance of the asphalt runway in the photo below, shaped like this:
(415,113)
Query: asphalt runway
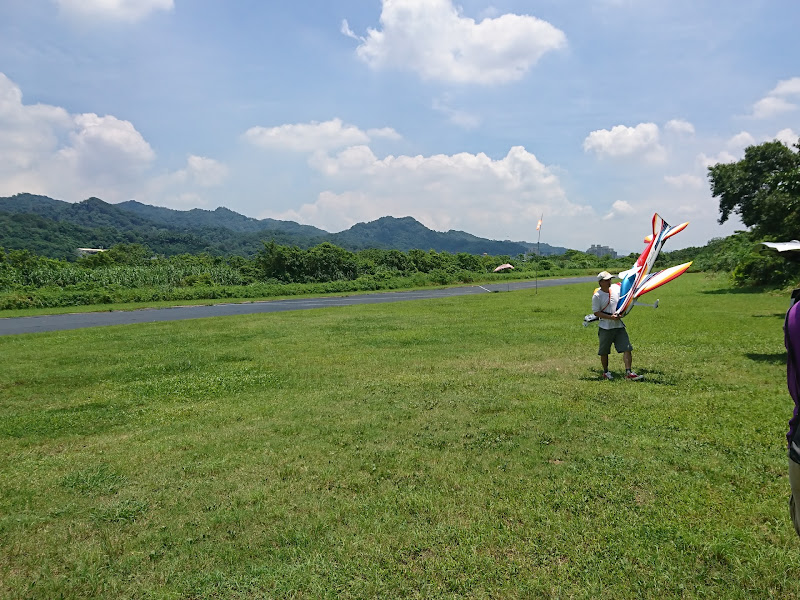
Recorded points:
(19,325)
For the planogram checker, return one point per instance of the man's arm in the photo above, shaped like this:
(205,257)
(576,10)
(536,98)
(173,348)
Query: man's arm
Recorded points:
(601,315)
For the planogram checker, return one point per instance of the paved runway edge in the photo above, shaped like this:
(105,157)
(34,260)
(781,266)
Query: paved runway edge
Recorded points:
(63,322)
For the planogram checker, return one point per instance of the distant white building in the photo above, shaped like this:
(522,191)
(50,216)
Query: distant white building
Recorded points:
(601,251)
(87,251)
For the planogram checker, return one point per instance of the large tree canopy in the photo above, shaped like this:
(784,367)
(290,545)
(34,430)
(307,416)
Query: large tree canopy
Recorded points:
(763,189)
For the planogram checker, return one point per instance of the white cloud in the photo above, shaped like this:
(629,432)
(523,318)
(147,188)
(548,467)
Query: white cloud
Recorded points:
(779,100)
(460,118)
(489,12)
(679,126)
(741,140)
(106,149)
(622,141)
(46,150)
(620,209)
(787,136)
(737,144)
(787,87)
(345,29)
(442,191)
(314,136)
(113,10)
(386,133)
(623,207)
(352,159)
(27,132)
(433,39)
(182,188)
(685,181)
(772,107)
(705,161)
(205,172)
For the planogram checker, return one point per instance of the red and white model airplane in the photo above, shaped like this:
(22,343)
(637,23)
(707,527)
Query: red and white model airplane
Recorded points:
(638,280)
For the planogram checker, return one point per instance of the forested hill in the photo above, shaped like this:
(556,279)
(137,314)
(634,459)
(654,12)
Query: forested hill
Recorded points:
(55,228)
(198,218)
(408,233)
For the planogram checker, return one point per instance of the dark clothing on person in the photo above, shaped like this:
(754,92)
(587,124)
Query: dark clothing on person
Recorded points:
(791,339)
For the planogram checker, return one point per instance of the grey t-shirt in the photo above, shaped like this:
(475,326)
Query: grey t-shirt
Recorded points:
(607,302)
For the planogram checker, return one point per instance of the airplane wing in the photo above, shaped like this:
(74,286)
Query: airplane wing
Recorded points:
(658,279)
(783,246)
(632,271)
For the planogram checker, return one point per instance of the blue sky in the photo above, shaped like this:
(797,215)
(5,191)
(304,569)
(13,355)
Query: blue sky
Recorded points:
(478,116)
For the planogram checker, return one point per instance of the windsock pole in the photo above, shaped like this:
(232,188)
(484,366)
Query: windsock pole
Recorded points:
(538,252)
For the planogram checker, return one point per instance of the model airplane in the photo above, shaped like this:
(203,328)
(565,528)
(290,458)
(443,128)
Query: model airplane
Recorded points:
(638,280)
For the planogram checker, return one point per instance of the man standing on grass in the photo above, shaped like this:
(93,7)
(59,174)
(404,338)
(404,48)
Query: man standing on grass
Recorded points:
(611,328)
(791,338)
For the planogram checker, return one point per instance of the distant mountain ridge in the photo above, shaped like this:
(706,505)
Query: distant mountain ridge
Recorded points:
(56,228)
(220,217)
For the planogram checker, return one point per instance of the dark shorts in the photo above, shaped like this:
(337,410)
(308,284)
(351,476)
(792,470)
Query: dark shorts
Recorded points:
(617,336)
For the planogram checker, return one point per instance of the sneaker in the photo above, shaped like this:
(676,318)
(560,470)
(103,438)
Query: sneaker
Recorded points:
(631,376)
(608,375)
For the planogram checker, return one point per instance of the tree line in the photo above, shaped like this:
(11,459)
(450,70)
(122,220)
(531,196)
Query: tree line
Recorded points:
(132,273)
(274,263)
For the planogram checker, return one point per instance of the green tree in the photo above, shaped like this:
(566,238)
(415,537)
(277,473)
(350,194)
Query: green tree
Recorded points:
(327,262)
(420,260)
(581,260)
(271,261)
(469,262)
(120,254)
(248,268)
(396,260)
(285,263)
(763,189)
(130,254)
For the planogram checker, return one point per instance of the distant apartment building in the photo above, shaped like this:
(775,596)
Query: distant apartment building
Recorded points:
(601,251)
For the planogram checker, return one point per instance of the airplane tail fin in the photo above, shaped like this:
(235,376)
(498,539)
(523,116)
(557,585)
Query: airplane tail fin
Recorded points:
(667,230)
(673,230)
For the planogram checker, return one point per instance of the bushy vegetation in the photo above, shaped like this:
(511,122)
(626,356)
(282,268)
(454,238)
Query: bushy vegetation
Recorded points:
(748,261)
(131,273)
(763,189)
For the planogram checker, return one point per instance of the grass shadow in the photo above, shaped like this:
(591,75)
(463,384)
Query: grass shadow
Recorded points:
(650,377)
(732,290)
(774,358)
(654,377)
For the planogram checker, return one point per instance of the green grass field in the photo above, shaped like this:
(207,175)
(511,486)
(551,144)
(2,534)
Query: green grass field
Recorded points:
(433,449)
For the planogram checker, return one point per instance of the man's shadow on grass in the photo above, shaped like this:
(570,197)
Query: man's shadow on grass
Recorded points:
(652,377)
(773,358)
